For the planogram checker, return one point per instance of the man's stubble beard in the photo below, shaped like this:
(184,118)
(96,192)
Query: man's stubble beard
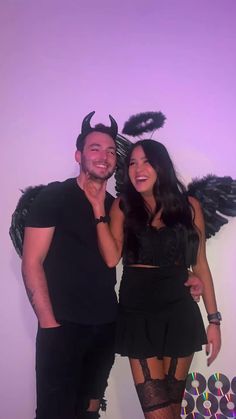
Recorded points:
(93,175)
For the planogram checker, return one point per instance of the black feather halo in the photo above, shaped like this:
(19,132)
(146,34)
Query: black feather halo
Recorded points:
(143,122)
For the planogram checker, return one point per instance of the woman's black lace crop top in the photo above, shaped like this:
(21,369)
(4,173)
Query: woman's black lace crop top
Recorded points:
(166,246)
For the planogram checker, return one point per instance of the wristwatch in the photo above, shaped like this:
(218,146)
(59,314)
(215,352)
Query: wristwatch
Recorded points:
(214,317)
(102,219)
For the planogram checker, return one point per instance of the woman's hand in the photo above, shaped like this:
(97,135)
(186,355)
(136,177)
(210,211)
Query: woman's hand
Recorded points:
(214,342)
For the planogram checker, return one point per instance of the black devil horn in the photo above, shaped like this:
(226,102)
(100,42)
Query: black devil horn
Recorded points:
(86,127)
(114,127)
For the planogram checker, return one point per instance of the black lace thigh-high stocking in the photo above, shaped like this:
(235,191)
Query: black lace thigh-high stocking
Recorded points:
(176,380)
(152,391)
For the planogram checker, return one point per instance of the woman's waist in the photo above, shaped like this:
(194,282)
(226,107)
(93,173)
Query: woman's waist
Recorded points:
(141,271)
(154,278)
(143,287)
(154,257)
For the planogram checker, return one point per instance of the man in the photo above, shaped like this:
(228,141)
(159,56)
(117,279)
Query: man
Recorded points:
(70,287)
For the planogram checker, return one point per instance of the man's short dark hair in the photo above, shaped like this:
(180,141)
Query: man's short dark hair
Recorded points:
(87,129)
(80,142)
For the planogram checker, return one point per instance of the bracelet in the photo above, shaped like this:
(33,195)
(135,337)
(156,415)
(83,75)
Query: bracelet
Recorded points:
(102,219)
(216,323)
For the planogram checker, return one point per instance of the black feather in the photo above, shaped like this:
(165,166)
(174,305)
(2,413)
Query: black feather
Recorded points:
(17,227)
(122,148)
(217,196)
(143,122)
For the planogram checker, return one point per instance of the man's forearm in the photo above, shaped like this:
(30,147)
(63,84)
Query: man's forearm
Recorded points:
(37,291)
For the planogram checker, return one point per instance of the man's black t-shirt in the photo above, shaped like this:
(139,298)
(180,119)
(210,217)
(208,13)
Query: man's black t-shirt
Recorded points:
(81,286)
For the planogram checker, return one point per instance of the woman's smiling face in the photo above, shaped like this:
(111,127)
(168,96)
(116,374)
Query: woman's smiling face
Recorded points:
(141,173)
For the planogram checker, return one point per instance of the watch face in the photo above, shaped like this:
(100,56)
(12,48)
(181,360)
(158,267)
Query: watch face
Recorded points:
(215,316)
(219,315)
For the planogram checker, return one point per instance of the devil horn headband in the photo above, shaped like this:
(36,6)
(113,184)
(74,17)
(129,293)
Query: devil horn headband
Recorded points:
(86,127)
(114,127)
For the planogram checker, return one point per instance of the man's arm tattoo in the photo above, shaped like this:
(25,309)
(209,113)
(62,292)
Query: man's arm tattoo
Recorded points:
(30,294)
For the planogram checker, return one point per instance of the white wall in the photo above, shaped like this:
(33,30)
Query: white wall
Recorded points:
(62,59)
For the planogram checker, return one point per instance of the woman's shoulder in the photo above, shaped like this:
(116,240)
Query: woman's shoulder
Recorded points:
(118,206)
(195,204)
(117,202)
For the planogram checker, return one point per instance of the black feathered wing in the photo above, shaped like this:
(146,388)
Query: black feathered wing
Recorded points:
(217,196)
(123,146)
(17,227)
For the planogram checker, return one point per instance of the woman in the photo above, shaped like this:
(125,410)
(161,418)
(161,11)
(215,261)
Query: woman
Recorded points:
(159,232)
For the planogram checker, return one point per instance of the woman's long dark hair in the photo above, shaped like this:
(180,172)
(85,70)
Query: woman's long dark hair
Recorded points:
(169,193)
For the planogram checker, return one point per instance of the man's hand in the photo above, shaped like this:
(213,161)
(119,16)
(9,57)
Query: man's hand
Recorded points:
(95,193)
(196,286)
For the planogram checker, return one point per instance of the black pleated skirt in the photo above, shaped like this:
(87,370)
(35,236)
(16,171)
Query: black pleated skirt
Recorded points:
(157,315)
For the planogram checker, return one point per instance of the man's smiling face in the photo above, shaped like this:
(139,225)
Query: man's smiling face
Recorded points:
(98,158)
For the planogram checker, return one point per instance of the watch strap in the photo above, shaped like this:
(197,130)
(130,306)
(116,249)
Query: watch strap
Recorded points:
(102,219)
